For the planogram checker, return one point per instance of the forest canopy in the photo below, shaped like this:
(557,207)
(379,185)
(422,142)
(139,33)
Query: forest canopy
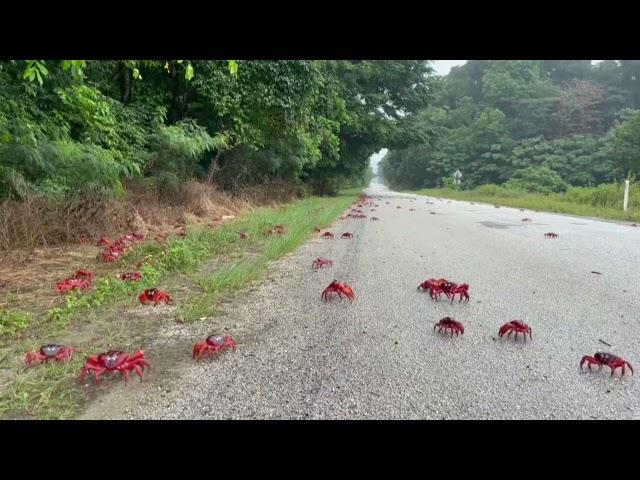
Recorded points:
(70,126)
(537,125)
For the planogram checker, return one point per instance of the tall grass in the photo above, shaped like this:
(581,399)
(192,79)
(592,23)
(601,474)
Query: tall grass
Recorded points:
(299,219)
(603,201)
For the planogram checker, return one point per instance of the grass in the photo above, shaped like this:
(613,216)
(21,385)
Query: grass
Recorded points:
(300,219)
(13,321)
(583,202)
(52,391)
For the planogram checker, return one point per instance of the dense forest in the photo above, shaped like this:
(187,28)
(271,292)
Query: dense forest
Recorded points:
(73,126)
(534,125)
(68,127)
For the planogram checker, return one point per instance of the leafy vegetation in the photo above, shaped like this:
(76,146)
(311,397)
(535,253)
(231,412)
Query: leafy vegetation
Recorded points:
(603,201)
(71,126)
(536,125)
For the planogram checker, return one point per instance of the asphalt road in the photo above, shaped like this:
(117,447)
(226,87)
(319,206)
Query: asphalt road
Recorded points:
(379,357)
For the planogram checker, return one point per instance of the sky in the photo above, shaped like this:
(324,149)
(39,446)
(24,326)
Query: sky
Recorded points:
(442,67)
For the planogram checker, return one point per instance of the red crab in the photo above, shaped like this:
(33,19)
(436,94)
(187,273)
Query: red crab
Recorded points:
(432,286)
(515,326)
(115,361)
(412,209)
(551,235)
(448,323)
(608,359)
(526,219)
(243,235)
(212,344)
(327,235)
(72,284)
(339,288)
(81,280)
(104,241)
(439,286)
(84,275)
(59,353)
(347,235)
(156,296)
(462,290)
(322,262)
(398,206)
(130,239)
(130,277)
(316,230)
(113,253)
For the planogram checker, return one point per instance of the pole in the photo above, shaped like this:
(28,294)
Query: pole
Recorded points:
(626,195)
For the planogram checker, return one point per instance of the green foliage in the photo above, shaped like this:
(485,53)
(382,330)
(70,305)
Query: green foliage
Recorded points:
(494,119)
(179,148)
(537,180)
(603,201)
(234,122)
(625,142)
(58,168)
(35,70)
(13,321)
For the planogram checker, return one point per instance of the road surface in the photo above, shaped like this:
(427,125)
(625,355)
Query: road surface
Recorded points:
(379,357)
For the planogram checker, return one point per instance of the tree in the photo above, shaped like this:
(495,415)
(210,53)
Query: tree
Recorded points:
(624,146)
(564,71)
(537,180)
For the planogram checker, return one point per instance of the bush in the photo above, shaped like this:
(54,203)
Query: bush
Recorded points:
(537,180)
(179,148)
(606,195)
(57,169)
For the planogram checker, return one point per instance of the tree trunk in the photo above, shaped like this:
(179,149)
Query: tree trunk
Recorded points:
(213,168)
(125,82)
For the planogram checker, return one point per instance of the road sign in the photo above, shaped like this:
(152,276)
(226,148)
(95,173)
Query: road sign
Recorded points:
(457,176)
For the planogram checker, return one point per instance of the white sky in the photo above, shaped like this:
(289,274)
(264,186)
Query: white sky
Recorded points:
(442,67)
(375,159)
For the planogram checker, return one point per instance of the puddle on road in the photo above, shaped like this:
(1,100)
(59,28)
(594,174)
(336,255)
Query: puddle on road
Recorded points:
(498,224)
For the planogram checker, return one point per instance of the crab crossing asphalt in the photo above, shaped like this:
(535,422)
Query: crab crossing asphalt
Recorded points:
(379,357)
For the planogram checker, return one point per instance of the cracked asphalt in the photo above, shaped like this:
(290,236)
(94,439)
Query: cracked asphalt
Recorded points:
(379,358)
